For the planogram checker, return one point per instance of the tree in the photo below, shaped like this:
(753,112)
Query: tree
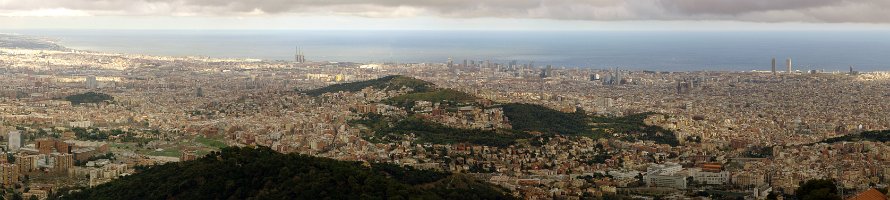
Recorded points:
(818,189)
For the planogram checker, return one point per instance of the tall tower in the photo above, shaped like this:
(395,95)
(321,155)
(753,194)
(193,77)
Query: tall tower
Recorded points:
(789,65)
(450,62)
(298,55)
(774,66)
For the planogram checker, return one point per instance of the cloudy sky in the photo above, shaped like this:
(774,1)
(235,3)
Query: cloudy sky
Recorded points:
(448,14)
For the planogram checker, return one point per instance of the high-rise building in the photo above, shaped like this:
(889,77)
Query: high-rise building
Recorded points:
(26,163)
(774,66)
(91,82)
(789,65)
(450,63)
(9,174)
(199,92)
(15,141)
(63,162)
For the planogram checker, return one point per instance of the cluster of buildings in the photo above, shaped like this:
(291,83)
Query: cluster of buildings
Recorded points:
(720,118)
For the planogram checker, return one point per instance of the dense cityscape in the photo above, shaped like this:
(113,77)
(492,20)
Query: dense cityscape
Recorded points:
(78,119)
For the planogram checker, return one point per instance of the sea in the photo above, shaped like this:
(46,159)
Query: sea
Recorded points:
(634,50)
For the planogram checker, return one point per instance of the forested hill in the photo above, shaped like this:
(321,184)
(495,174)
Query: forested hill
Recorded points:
(527,120)
(261,173)
(26,42)
(393,82)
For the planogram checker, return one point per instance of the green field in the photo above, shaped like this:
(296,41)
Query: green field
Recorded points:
(209,142)
(169,152)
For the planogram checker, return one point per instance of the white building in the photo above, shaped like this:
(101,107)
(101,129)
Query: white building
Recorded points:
(677,181)
(15,140)
(80,124)
(710,177)
(666,175)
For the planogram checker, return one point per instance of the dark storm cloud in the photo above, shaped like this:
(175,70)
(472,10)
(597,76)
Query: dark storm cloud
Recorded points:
(835,11)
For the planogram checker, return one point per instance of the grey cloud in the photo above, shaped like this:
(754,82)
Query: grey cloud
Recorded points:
(832,11)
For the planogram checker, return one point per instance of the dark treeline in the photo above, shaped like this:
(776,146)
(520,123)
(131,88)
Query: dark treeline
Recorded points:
(261,173)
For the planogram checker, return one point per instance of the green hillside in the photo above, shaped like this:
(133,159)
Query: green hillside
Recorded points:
(632,128)
(526,119)
(537,118)
(389,129)
(393,82)
(261,173)
(447,96)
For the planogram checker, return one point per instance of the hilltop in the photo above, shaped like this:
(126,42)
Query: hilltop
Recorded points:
(449,97)
(392,129)
(537,118)
(261,173)
(392,82)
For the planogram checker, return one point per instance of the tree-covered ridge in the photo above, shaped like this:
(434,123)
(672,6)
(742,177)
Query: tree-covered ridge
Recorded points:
(89,97)
(633,128)
(261,173)
(874,136)
(538,118)
(393,82)
(525,119)
(27,42)
(449,97)
(393,129)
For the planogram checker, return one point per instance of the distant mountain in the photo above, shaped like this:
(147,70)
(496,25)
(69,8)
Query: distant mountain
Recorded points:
(26,42)
(261,173)
(393,82)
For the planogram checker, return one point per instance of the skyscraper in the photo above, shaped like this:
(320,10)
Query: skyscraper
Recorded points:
(15,141)
(789,65)
(774,66)
(91,82)
(450,63)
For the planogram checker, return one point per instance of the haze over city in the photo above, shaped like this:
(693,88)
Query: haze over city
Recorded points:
(452,99)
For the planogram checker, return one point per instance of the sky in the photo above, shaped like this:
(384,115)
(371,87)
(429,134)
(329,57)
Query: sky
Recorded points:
(659,15)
